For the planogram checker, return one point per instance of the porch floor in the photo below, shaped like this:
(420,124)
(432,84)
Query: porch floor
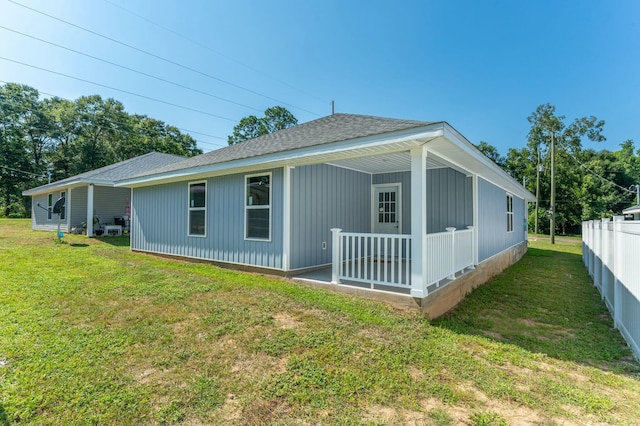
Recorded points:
(323,276)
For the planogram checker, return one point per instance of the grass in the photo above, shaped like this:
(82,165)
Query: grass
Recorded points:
(91,333)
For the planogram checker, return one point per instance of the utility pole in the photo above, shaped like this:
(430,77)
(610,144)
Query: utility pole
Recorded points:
(553,189)
(333,107)
(538,170)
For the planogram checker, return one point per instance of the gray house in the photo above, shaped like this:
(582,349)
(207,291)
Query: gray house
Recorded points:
(391,204)
(90,194)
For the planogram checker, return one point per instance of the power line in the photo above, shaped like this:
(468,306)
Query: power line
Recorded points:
(131,69)
(574,157)
(21,171)
(122,123)
(120,90)
(207,47)
(160,57)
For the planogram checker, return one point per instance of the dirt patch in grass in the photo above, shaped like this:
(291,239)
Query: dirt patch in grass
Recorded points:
(286,321)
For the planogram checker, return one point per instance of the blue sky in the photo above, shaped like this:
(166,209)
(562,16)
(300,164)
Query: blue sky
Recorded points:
(482,66)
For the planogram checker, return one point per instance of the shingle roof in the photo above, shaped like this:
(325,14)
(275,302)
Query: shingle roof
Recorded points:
(333,128)
(117,171)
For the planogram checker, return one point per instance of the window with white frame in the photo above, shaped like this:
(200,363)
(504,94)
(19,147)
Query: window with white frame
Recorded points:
(197,209)
(258,207)
(509,213)
(49,206)
(63,194)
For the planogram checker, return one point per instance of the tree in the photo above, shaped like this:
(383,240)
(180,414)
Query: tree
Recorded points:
(275,118)
(491,152)
(551,137)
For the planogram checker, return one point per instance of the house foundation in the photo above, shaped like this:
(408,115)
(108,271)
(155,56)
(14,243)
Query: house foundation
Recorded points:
(446,298)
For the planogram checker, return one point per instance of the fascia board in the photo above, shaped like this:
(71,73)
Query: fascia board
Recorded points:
(45,189)
(280,158)
(506,181)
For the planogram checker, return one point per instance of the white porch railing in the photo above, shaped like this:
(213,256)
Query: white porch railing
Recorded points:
(385,259)
(448,253)
(372,258)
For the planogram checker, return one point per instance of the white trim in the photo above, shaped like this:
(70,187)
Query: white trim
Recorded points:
(90,210)
(418,221)
(286,221)
(195,209)
(258,207)
(374,202)
(475,211)
(68,203)
(73,183)
(510,215)
(298,156)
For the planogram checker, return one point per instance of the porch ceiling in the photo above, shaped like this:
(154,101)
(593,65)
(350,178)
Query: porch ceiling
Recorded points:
(385,163)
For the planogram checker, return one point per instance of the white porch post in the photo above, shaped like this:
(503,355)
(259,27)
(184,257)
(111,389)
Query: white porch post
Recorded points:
(90,210)
(335,255)
(286,226)
(474,191)
(418,221)
(452,256)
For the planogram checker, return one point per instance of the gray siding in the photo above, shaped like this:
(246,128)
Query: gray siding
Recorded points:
(108,202)
(405,179)
(492,220)
(325,197)
(78,206)
(449,200)
(160,222)
(39,217)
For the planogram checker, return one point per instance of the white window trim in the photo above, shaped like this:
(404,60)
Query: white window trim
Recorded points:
(259,207)
(374,204)
(190,209)
(49,207)
(510,214)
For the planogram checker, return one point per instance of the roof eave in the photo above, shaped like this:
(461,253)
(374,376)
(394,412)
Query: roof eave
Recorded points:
(299,156)
(68,184)
(493,172)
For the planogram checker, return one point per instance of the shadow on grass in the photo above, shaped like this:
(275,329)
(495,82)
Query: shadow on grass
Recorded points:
(122,241)
(79,245)
(545,303)
(4,419)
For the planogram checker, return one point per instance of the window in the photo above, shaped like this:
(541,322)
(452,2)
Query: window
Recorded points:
(64,207)
(197,209)
(509,213)
(49,206)
(258,207)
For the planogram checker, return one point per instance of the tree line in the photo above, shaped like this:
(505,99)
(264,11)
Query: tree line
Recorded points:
(57,138)
(590,184)
(54,138)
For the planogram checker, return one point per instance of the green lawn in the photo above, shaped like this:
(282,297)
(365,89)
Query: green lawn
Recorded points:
(91,333)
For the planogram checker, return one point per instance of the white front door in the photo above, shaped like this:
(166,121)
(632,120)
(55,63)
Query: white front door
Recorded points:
(387,209)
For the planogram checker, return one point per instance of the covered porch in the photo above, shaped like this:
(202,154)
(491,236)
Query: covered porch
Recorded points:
(407,226)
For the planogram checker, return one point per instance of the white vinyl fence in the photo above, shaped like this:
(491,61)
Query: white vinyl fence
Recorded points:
(611,253)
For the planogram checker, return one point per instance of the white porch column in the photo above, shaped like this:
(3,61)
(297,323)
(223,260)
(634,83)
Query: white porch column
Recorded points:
(474,207)
(286,225)
(90,210)
(418,221)
(336,258)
